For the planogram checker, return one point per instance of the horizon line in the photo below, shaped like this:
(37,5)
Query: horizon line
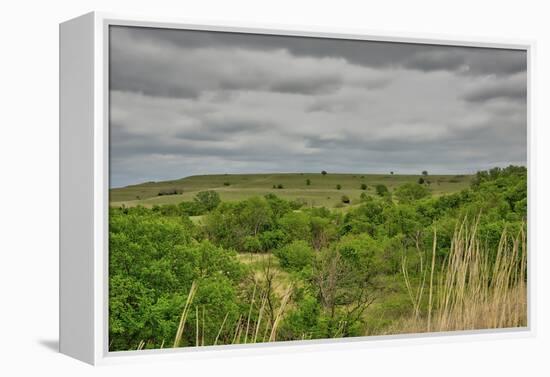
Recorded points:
(305,172)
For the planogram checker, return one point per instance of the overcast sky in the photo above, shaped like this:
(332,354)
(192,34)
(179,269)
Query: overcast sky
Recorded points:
(189,102)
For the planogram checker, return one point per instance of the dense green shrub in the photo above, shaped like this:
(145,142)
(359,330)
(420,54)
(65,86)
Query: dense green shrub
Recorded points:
(295,256)
(410,192)
(381,190)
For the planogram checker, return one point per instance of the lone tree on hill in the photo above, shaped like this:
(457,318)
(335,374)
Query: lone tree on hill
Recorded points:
(363,186)
(324,172)
(338,186)
(308,182)
(424,173)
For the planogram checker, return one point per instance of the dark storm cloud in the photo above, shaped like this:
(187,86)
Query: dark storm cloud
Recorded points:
(424,57)
(157,67)
(189,102)
(498,91)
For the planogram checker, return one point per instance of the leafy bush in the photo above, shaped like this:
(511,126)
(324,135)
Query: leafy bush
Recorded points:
(152,264)
(252,244)
(381,190)
(295,256)
(208,199)
(171,191)
(410,192)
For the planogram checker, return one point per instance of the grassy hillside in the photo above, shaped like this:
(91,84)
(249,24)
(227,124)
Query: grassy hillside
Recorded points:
(321,191)
(264,270)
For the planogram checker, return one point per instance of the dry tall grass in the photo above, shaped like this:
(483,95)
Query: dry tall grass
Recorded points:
(244,331)
(473,291)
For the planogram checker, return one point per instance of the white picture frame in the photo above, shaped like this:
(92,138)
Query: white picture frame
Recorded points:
(84,163)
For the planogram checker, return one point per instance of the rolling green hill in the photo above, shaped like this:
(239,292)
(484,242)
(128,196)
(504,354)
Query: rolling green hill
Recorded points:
(322,190)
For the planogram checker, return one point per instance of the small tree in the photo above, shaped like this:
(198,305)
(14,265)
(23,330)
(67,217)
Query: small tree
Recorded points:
(324,172)
(308,182)
(409,192)
(381,189)
(425,173)
(252,244)
(363,186)
(345,199)
(391,172)
(208,199)
(295,256)
(338,187)
(279,186)
(420,181)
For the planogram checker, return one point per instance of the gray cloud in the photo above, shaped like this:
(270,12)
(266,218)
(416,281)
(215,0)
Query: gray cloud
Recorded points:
(424,57)
(186,102)
(157,68)
(512,88)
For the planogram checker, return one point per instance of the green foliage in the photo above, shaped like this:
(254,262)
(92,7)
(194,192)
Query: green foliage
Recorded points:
(190,208)
(152,262)
(324,172)
(410,192)
(208,199)
(303,319)
(339,262)
(338,187)
(252,244)
(295,256)
(295,226)
(345,199)
(230,223)
(381,190)
(279,207)
(171,191)
(363,186)
(308,182)
(344,280)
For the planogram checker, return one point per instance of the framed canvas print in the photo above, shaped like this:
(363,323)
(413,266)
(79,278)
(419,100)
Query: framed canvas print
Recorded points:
(242,189)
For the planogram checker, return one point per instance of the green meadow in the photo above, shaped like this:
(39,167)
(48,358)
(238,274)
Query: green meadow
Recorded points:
(321,191)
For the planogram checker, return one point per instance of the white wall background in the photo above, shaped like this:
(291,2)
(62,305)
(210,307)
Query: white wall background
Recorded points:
(29,183)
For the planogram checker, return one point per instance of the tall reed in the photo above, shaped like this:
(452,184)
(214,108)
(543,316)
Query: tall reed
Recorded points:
(184,314)
(473,290)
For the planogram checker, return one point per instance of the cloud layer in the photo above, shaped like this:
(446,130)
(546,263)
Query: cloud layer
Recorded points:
(189,102)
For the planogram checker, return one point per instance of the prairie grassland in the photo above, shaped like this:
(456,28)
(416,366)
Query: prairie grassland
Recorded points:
(470,290)
(321,190)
